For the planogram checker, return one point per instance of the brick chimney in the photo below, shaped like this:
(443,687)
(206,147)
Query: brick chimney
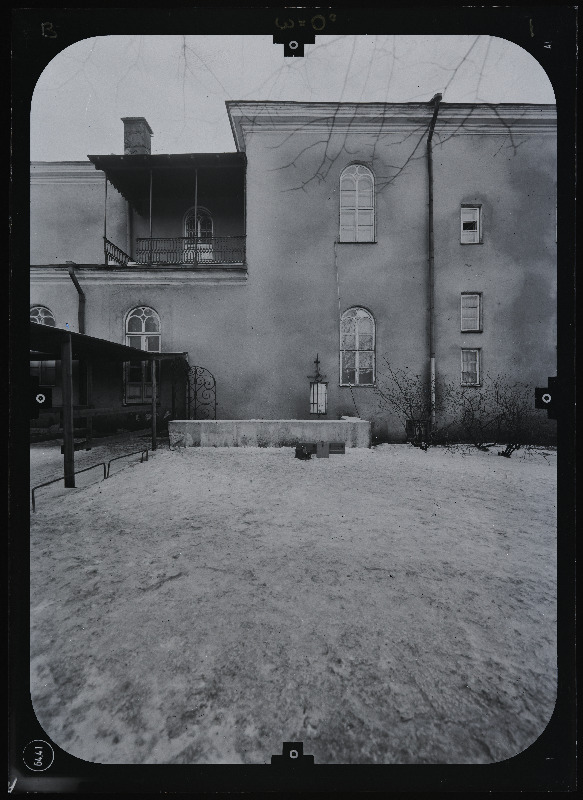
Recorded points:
(137,136)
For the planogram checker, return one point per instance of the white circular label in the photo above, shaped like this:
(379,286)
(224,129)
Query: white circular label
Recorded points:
(546,398)
(40,398)
(293,754)
(293,45)
(38,755)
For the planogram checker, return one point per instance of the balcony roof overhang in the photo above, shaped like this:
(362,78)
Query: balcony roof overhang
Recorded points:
(130,174)
(46,341)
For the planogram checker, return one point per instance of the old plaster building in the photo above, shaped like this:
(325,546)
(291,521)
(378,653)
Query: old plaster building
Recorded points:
(423,235)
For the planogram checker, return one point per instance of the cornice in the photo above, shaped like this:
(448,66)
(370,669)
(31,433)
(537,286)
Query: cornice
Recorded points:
(64,172)
(98,275)
(385,118)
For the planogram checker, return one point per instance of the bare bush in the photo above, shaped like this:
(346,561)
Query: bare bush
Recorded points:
(407,396)
(499,412)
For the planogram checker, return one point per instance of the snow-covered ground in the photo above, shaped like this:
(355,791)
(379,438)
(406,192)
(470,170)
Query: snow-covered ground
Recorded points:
(385,606)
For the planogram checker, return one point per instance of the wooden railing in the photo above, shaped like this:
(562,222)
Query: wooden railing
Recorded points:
(191,252)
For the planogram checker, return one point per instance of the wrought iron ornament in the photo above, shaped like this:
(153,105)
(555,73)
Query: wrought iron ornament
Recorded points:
(202,394)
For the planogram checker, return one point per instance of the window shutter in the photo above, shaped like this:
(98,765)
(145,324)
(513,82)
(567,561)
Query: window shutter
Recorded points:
(470,368)
(470,225)
(470,312)
(356,204)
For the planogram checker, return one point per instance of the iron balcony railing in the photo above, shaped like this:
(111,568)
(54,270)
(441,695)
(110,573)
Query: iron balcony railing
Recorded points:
(201,252)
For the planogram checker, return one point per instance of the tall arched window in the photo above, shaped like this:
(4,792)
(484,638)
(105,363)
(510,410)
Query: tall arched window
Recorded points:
(45,371)
(143,330)
(357,218)
(357,348)
(198,232)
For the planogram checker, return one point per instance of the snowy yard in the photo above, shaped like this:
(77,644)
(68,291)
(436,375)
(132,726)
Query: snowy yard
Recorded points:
(385,606)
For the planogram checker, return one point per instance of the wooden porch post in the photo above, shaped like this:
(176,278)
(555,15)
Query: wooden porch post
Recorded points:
(106,259)
(195,216)
(67,381)
(150,233)
(153,365)
(174,367)
(89,397)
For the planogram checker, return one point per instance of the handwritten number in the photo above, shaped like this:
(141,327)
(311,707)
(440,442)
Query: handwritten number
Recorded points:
(321,25)
(288,24)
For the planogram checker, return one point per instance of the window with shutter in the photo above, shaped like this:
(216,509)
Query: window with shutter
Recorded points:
(471,224)
(357,215)
(470,375)
(471,316)
(198,233)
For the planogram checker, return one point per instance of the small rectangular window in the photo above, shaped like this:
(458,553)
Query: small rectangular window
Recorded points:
(471,224)
(471,312)
(470,368)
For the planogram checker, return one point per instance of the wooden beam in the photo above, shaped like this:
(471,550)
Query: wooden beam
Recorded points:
(89,397)
(67,388)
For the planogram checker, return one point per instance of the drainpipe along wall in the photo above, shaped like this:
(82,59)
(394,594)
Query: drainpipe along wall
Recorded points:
(431,261)
(81,293)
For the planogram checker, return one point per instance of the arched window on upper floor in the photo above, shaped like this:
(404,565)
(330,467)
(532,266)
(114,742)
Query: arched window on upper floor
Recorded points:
(198,234)
(143,330)
(357,209)
(357,348)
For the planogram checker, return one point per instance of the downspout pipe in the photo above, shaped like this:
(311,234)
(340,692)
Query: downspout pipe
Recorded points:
(81,293)
(431,260)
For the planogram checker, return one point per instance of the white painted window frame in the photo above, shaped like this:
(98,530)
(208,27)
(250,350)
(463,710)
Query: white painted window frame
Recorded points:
(357,207)
(478,353)
(479,328)
(357,351)
(143,334)
(471,237)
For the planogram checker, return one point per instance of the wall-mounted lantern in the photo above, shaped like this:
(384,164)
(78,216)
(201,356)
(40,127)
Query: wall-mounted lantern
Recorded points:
(318,391)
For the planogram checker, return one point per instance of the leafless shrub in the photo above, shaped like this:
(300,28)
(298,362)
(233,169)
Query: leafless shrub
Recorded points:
(407,396)
(499,412)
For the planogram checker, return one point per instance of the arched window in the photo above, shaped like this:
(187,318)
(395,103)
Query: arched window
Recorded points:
(357,218)
(42,316)
(357,348)
(143,330)
(198,232)
(45,371)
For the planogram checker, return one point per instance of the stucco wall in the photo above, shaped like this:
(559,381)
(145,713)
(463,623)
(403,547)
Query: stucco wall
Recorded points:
(307,278)
(67,201)
(260,334)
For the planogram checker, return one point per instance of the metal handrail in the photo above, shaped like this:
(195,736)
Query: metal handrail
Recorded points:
(115,253)
(127,455)
(55,480)
(191,251)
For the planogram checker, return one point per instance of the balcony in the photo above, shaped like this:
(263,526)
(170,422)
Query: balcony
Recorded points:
(191,252)
(180,251)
